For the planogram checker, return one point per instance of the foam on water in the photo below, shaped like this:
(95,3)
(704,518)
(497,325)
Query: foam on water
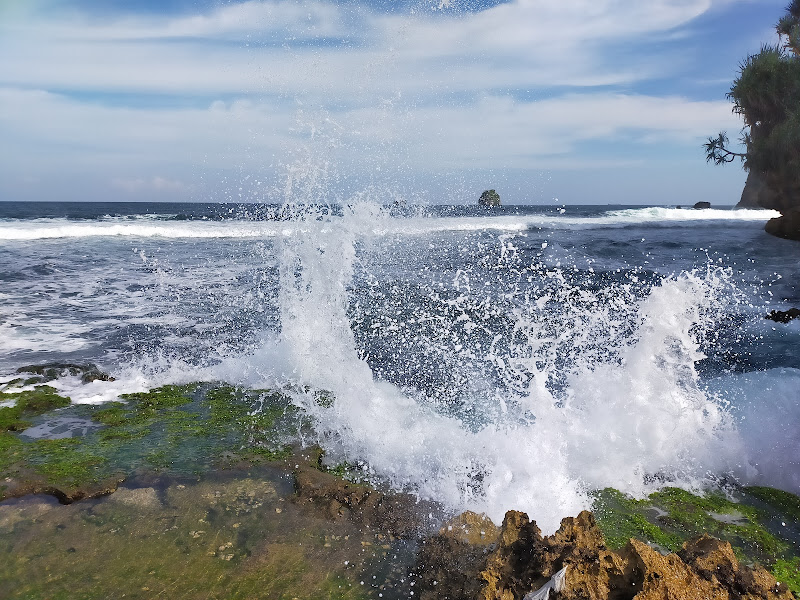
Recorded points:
(145,226)
(766,405)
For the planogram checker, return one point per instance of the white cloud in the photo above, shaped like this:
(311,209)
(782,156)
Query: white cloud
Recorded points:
(529,82)
(490,132)
(517,44)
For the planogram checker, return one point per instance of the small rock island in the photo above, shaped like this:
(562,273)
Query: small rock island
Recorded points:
(489,198)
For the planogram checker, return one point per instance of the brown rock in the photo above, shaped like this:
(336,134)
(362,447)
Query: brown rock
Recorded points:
(449,564)
(523,562)
(667,577)
(715,561)
(471,528)
(336,498)
(517,561)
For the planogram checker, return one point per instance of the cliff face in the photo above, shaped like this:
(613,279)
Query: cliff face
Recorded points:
(755,194)
(760,192)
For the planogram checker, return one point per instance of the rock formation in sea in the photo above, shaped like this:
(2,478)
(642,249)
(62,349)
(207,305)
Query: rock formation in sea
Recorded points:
(489,198)
(783,316)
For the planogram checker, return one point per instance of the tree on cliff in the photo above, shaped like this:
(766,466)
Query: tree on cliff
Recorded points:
(767,95)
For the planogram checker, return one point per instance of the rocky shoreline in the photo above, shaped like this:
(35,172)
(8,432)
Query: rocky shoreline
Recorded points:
(202,491)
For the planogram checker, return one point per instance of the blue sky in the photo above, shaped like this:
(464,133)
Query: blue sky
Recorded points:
(547,101)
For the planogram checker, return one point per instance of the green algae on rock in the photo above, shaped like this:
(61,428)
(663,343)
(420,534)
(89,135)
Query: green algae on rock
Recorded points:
(749,519)
(184,429)
(27,404)
(48,372)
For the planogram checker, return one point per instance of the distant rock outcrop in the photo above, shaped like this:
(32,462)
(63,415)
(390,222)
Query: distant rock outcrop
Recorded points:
(489,198)
(783,316)
(702,205)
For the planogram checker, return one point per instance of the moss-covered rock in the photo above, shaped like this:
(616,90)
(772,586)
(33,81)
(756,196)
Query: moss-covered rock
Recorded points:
(761,524)
(185,429)
(48,372)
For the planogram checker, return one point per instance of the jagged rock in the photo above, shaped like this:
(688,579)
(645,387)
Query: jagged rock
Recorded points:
(516,561)
(449,564)
(471,528)
(715,561)
(786,226)
(525,561)
(783,316)
(336,497)
(658,577)
(523,564)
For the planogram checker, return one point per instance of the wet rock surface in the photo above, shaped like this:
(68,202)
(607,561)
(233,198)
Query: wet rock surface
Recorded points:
(48,372)
(227,535)
(786,226)
(783,316)
(396,514)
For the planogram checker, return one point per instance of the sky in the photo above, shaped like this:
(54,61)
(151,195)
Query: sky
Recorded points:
(546,101)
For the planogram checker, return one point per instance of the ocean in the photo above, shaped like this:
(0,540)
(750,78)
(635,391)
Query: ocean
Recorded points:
(490,359)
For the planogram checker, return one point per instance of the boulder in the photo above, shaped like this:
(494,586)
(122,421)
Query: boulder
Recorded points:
(786,226)
(702,205)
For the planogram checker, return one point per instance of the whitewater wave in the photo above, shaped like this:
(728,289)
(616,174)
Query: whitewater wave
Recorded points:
(146,226)
(628,411)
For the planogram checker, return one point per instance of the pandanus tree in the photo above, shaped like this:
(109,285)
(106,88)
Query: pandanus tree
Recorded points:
(767,96)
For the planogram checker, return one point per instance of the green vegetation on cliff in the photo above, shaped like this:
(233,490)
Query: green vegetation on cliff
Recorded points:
(767,96)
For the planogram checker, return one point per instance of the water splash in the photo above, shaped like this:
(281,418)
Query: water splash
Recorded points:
(549,382)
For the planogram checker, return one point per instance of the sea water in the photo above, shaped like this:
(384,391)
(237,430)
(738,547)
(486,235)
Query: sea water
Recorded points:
(489,359)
